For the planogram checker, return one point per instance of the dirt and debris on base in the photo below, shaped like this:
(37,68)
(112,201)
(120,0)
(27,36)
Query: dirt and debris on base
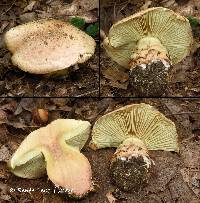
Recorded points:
(175,177)
(184,80)
(14,82)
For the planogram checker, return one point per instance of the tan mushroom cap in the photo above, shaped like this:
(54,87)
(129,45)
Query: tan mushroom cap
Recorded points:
(136,121)
(47,46)
(173,31)
(55,149)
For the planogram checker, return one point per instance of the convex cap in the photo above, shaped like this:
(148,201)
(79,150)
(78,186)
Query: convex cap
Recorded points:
(47,46)
(160,25)
(55,149)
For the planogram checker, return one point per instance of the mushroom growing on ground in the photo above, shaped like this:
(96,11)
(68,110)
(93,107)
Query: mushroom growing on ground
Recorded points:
(133,129)
(148,43)
(55,149)
(48,46)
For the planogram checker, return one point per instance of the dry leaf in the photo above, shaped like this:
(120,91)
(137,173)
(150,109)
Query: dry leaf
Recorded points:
(30,6)
(192,178)
(4,154)
(115,74)
(27,17)
(3,192)
(110,197)
(87,5)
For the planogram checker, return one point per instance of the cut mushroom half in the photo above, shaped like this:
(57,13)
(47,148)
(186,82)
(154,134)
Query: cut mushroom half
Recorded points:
(148,43)
(55,150)
(133,130)
(48,46)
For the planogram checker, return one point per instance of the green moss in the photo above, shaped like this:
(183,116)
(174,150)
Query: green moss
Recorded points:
(193,21)
(195,24)
(92,30)
(78,22)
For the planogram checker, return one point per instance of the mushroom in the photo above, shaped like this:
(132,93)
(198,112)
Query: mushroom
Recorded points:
(55,149)
(133,130)
(148,43)
(48,46)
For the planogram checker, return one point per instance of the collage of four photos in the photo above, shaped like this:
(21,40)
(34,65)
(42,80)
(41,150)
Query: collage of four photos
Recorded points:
(99,101)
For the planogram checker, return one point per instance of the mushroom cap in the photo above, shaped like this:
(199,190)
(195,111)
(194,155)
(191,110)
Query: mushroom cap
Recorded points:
(55,149)
(137,120)
(173,31)
(47,46)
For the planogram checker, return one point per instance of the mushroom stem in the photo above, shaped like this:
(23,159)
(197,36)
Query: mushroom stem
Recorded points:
(58,161)
(130,165)
(149,67)
(149,49)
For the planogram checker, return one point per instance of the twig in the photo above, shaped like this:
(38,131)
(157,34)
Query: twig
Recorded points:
(114,11)
(182,113)
(123,7)
(4,4)
(102,34)
(146,5)
(8,8)
(87,93)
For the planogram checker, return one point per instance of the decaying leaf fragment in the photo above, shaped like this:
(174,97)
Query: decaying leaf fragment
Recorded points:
(133,130)
(55,149)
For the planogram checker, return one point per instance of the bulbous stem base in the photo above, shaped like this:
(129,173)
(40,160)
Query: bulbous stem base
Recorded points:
(150,79)
(149,67)
(130,167)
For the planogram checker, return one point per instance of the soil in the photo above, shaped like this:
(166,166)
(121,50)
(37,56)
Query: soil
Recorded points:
(14,82)
(184,76)
(174,178)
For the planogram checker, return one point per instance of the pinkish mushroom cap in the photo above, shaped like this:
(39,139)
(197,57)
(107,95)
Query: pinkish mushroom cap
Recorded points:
(55,149)
(47,46)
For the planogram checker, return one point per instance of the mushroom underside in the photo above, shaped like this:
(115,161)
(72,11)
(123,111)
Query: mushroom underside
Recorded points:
(145,38)
(140,121)
(133,130)
(157,29)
